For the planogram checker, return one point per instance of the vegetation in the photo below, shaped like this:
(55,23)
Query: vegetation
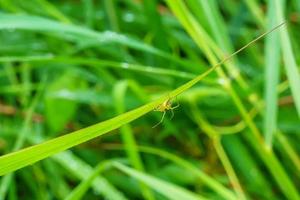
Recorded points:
(88,90)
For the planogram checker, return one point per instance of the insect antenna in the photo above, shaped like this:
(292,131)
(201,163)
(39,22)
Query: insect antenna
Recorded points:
(172,114)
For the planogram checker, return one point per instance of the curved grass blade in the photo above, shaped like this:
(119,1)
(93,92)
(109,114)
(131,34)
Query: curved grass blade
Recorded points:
(206,179)
(99,184)
(30,155)
(290,64)
(128,137)
(169,190)
(85,184)
(78,33)
(272,78)
(49,58)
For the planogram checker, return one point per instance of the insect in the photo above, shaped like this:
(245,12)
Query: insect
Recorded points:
(164,107)
(167,104)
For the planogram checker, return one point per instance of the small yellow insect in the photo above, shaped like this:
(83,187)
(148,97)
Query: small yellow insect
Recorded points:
(164,107)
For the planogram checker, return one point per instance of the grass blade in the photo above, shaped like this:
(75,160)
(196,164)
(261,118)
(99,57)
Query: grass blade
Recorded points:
(169,190)
(72,163)
(78,33)
(82,188)
(289,59)
(272,78)
(128,136)
(203,177)
(30,155)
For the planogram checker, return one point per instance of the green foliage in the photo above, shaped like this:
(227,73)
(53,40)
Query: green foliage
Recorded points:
(79,81)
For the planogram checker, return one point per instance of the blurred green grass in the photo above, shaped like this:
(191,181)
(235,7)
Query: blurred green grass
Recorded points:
(66,65)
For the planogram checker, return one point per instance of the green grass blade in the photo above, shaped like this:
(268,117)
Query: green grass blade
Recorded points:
(38,152)
(127,135)
(276,168)
(169,190)
(290,65)
(30,155)
(272,70)
(89,12)
(22,158)
(203,177)
(290,151)
(26,58)
(216,139)
(81,170)
(210,182)
(78,33)
(53,11)
(256,11)
(244,161)
(82,188)
(208,12)
(48,58)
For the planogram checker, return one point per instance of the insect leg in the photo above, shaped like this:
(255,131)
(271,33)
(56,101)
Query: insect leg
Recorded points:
(172,114)
(162,118)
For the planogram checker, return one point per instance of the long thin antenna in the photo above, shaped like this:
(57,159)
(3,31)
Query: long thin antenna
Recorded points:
(247,45)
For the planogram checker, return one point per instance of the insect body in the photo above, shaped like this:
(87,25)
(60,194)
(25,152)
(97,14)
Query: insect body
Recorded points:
(164,107)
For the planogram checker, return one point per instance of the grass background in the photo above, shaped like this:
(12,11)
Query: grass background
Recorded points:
(69,69)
